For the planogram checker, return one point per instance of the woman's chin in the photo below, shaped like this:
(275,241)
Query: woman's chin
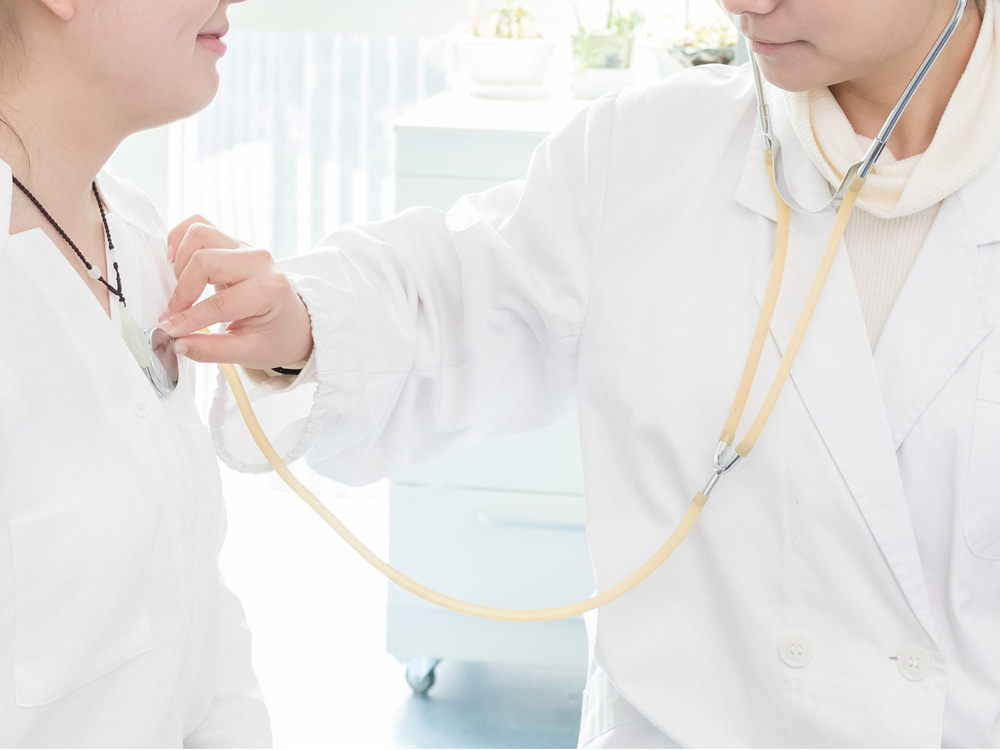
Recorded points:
(789,78)
(191,100)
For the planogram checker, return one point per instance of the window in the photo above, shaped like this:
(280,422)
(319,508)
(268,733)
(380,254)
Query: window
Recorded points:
(298,141)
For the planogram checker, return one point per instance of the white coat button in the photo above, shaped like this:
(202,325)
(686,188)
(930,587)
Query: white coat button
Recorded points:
(142,408)
(914,663)
(795,651)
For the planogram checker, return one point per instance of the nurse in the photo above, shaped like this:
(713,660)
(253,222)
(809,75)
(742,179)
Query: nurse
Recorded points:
(116,629)
(843,586)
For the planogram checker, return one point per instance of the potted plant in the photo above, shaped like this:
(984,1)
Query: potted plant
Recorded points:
(707,43)
(603,56)
(505,49)
(712,40)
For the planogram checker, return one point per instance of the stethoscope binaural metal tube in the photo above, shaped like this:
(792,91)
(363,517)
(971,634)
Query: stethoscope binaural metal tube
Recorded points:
(863,167)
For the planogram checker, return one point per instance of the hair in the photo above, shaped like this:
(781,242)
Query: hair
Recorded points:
(11,43)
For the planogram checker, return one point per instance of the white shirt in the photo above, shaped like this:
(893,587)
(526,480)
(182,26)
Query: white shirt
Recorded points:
(623,280)
(116,629)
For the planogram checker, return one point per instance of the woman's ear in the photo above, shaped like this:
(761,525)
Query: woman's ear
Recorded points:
(64,10)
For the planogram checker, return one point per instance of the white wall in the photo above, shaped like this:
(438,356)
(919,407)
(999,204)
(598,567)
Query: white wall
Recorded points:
(430,17)
(143,159)
(412,17)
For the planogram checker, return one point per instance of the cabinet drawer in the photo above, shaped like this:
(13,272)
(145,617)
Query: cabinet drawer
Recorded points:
(548,462)
(502,549)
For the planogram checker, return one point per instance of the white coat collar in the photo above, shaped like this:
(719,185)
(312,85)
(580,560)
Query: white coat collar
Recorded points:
(981,202)
(6,196)
(864,406)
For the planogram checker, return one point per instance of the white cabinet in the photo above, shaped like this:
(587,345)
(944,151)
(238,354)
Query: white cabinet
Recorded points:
(501,524)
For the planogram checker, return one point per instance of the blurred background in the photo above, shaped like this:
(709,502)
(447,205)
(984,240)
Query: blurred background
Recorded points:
(334,112)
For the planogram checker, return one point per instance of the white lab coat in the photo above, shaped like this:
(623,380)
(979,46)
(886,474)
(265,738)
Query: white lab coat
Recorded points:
(623,279)
(115,627)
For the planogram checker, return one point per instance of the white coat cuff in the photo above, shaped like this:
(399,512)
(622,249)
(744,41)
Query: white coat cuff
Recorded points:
(269,380)
(328,389)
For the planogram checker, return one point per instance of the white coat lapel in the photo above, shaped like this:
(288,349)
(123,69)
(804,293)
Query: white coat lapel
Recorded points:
(941,316)
(835,374)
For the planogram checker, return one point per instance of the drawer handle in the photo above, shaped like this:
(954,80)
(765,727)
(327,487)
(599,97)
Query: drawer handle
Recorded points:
(513,522)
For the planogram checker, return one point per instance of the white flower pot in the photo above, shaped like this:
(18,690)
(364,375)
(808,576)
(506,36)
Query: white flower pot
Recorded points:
(505,62)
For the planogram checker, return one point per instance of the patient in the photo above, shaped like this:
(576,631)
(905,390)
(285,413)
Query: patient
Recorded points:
(115,626)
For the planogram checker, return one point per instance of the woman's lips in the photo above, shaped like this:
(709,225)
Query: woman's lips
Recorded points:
(770,48)
(212,40)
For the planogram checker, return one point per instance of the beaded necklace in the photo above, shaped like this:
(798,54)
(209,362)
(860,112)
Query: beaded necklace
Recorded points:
(93,271)
(154,350)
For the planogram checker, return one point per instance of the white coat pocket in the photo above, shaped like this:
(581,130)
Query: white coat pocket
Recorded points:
(982,495)
(81,589)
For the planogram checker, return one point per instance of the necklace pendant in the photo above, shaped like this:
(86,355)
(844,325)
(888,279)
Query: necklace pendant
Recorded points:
(134,337)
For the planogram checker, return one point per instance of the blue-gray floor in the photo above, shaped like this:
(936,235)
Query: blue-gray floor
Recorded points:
(482,705)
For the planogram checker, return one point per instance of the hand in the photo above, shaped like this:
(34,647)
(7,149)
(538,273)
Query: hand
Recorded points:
(269,325)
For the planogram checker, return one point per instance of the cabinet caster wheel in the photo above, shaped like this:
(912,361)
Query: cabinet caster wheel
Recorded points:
(420,675)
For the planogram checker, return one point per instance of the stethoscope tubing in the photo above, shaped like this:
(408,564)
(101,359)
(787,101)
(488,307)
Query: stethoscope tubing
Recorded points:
(725,458)
(699,500)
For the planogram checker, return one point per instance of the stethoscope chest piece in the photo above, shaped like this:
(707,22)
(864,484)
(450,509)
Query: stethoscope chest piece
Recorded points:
(163,368)
(153,350)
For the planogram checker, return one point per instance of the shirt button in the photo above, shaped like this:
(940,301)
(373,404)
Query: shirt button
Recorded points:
(142,408)
(914,663)
(795,651)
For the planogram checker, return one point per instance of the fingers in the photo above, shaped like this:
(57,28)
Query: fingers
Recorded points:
(235,304)
(199,237)
(235,346)
(228,271)
(177,234)
(279,332)
(218,347)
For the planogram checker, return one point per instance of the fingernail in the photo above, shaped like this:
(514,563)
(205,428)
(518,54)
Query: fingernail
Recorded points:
(171,251)
(168,327)
(181,349)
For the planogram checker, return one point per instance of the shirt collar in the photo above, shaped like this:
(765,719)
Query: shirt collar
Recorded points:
(979,197)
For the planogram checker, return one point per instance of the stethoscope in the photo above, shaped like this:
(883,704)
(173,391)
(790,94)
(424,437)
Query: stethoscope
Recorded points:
(844,200)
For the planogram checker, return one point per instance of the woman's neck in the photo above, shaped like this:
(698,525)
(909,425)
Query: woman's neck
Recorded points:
(57,154)
(58,149)
(867,101)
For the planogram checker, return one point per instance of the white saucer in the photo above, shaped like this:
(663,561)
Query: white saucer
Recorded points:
(507,91)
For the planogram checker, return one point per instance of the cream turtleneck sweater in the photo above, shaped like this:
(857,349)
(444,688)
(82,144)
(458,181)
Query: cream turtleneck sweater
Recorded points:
(902,198)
